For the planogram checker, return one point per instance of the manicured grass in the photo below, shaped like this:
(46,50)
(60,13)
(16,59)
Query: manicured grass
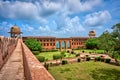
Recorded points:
(86,71)
(92,51)
(49,55)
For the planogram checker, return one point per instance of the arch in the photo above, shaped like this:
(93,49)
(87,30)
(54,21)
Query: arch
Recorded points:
(63,44)
(68,45)
(58,45)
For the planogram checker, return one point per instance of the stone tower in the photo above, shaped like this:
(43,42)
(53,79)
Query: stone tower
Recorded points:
(15,32)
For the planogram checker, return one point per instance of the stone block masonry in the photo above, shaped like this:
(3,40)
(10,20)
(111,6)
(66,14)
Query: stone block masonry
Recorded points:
(13,68)
(34,70)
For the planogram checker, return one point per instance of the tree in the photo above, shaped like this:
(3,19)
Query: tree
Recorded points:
(116,35)
(91,43)
(106,41)
(33,44)
(116,31)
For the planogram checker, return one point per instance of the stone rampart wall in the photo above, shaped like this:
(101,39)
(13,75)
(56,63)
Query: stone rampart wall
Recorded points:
(33,69)
(7,45)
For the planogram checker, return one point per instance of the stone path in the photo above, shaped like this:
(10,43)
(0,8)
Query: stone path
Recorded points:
(13,69)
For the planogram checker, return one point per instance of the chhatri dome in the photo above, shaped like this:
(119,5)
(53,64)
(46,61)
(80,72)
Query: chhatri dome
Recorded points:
(92,33)
(15,31)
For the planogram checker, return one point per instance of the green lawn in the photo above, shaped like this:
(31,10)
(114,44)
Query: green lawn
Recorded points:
(92,51)
(49,55)
(86,71)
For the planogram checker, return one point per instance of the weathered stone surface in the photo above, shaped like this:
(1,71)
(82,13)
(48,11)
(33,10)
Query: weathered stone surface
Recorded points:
(37,71)
(23,65)
(13,69)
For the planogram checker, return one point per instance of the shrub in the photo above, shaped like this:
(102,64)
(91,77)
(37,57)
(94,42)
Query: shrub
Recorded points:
(87,58)
(107,60)
(64,62)
(72,52)
(68,51)
(51,63)
(87,55)
(57,56)
(78,54)
(90,52)
(97,58)
(78,60)
(41,58)
(46,65)
(83,51)
(54,50)
(47,50)
(35,52)
(63,54)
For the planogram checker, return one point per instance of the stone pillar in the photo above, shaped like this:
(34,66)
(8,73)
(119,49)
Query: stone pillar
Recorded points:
(70,44)
(60,45)
(65,44)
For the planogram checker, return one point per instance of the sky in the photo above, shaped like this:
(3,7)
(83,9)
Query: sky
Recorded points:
(59,18)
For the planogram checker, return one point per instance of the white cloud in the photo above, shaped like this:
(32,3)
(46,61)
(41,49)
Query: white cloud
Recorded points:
(26,27)
(39,9)
(45,29)
(18,10)
(73,25)
(35,13)
(97,19)
(51,5)
(70,26)
(5,28)
(28,10)
(79,6)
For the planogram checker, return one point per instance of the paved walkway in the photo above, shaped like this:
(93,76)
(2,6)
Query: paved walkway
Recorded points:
(13,69)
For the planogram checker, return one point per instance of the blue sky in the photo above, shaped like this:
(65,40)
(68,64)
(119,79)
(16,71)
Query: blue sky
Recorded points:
(59,18)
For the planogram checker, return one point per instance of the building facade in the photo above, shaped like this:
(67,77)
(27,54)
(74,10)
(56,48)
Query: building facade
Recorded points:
(51,43)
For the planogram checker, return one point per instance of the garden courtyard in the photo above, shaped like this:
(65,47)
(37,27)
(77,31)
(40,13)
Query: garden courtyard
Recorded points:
(86,71)
(81,70)
(49,55)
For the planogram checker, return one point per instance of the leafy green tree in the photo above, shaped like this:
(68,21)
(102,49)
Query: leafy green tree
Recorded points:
(106,41)
(116,31)
(33,44)
(91,43)
(116,35)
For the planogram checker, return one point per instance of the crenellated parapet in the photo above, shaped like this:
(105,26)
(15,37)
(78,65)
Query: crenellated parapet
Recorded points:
(7,45)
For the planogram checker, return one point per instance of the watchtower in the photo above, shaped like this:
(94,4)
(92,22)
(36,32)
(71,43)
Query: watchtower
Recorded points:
(92,34)
(15,31)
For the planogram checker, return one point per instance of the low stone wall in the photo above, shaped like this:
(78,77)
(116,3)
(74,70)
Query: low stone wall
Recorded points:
(33,69)
(7,45)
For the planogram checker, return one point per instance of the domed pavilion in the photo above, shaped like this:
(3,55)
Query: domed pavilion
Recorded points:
(92,34)
(15,31)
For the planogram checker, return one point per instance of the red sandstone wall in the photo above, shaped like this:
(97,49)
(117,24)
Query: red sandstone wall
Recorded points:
(47,41)
(34,70)
(7,45)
